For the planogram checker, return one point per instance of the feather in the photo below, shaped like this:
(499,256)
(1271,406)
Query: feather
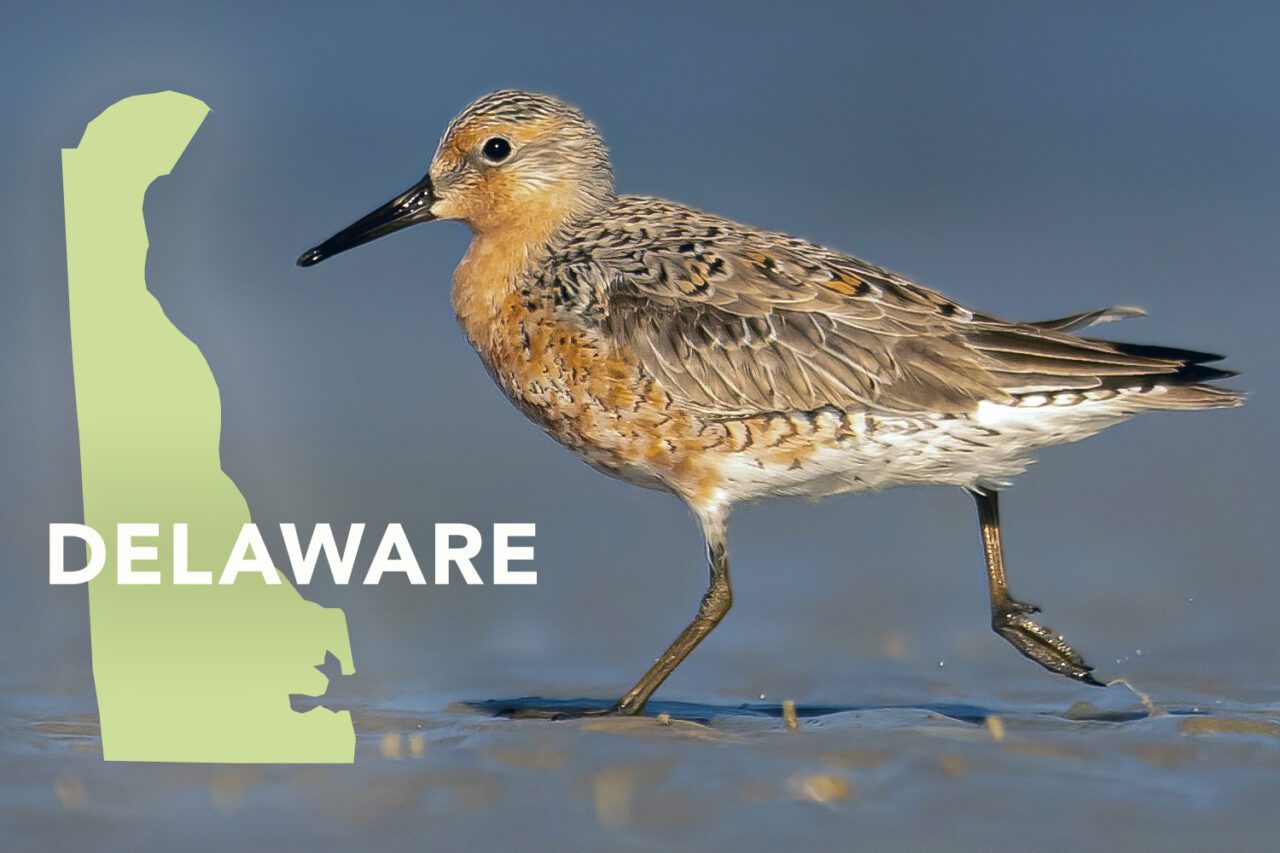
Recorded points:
(733,321)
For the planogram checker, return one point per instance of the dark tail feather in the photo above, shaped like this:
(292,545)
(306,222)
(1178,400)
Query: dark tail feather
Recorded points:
(1185,387)
(1192,367)
(1186,356)
(1046,357)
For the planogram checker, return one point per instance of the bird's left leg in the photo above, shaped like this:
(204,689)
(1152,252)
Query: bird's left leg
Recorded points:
(715,604)
(1012,619)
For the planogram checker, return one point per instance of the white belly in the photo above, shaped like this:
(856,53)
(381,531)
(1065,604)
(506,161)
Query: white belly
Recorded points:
(984,449)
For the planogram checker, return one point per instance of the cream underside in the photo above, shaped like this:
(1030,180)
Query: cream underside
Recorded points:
(983,450)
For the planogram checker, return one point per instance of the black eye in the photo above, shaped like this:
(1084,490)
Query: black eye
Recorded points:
(497,149)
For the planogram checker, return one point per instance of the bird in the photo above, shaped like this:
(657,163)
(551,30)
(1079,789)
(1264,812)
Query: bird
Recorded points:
(686,352)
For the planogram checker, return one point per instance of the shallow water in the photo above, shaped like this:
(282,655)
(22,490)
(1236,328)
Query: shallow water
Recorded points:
(1117,771)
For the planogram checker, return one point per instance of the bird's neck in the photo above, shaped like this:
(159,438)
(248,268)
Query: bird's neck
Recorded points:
(498,259)
(488,274)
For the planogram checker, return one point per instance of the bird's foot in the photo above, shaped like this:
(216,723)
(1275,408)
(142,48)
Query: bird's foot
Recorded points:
(1013,622)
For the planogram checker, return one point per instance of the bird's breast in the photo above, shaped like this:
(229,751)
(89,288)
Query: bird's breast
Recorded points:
(582,389)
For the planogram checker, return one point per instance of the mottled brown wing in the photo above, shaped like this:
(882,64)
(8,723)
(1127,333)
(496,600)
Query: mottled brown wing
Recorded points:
(737,330)
(733,323)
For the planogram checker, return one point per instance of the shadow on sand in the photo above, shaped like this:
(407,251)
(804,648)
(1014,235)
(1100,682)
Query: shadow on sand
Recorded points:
(537,707)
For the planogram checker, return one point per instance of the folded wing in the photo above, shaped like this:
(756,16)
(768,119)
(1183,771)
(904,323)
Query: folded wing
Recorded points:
(733,322)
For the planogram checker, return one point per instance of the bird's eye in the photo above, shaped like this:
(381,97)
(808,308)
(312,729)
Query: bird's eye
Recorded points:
(497,149)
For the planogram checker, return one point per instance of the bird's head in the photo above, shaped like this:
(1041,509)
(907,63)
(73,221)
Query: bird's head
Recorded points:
(511,161)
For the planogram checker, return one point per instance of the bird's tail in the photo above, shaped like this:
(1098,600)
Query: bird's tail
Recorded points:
(1035,358)
(1186,387)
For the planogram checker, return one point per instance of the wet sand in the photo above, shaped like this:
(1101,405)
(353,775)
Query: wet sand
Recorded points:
(1115,772)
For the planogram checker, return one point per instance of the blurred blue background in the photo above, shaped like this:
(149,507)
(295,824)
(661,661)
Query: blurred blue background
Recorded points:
(1028,159)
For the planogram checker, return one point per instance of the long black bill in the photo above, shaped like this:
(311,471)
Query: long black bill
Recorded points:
(409,208)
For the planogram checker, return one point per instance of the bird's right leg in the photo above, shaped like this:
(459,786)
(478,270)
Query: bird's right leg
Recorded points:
(1012,619)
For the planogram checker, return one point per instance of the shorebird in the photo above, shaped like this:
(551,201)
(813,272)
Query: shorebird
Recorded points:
(685,352)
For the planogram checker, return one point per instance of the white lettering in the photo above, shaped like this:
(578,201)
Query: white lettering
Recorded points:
(322,539)
(249,541)
(394,540)
(97,551)
(446,553)
(504,553)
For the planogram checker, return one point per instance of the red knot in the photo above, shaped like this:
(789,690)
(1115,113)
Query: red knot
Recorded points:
(685,352)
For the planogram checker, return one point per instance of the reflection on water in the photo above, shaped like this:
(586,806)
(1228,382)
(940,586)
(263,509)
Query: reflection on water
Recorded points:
(938,775)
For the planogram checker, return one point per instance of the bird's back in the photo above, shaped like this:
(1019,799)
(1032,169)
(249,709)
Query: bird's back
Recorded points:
(735,321)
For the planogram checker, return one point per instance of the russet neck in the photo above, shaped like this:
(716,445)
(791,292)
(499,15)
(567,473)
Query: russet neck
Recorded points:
(500,254)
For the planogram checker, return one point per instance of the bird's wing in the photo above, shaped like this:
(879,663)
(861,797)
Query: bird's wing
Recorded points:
(733,322)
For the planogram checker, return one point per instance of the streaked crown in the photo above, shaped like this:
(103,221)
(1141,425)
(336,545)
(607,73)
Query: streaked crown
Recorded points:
(512,150)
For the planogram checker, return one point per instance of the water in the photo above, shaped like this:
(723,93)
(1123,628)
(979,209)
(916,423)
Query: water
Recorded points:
(1114,771)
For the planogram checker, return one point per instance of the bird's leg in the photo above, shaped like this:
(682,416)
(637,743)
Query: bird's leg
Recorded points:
(1012,619)
(715,604)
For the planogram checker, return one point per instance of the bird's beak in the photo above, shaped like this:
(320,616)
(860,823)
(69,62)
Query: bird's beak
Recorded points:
(409,208)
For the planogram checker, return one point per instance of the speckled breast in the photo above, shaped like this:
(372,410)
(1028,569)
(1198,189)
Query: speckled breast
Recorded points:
(596,401)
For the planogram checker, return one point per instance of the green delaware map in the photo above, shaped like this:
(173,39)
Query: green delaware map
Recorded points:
(183,673)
